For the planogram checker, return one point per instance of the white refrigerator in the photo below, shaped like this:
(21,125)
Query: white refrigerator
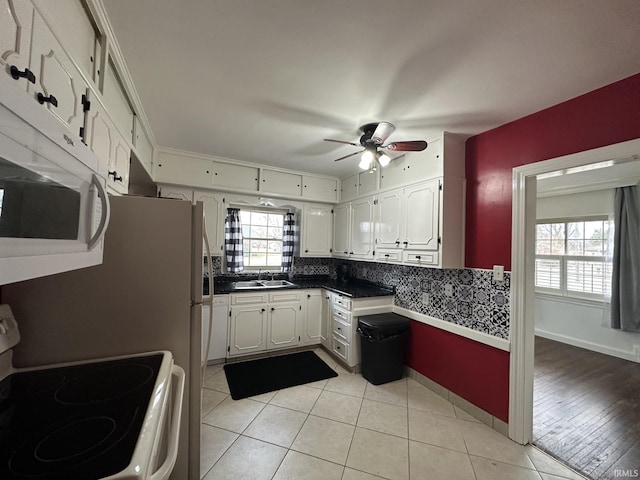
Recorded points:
(146,296)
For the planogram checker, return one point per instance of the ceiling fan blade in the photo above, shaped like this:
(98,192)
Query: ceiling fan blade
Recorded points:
(410,146)
(341,141)
(347,156)
(382,132)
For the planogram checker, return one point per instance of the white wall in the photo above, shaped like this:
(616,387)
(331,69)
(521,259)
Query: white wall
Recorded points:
(582,325)
(575,322)
(597,202)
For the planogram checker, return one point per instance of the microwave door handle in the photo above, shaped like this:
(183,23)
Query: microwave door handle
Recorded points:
(106,213)
(163,472)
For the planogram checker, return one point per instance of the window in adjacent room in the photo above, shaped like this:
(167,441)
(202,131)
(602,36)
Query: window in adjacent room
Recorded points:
(571,257)
(262,238)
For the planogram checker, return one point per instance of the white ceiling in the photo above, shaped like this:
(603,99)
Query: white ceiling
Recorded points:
(266,80)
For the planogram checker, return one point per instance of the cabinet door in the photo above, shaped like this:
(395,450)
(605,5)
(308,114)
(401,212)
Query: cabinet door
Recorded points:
(312,331)
(230,176)
(367,183)
(362,228)
(421,216)
(349,188)
(341,214)
(247,329)
(317,230)
(282,331)
(176,192)
(56,75)
(15,36)
(184,170)
(142,146)
(388,224)
(213,211)
(99,133)
(318,188)
(282,183)
(393,175)
(120,162)
(325,320)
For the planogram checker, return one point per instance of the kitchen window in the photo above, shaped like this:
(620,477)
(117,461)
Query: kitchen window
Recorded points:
(571,257)
(262,238)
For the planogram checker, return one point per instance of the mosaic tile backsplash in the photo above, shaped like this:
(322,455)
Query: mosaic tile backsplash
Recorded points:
(467,297)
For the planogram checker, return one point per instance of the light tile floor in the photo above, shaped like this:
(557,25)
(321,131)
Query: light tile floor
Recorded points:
(345,428)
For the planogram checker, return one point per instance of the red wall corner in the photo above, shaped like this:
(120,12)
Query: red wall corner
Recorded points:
(475,371)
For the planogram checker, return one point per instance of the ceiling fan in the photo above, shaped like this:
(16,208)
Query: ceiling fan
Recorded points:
(373,137)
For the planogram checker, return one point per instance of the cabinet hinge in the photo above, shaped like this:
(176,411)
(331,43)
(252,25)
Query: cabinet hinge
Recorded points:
(439,186)
(375,202)
(229,312)
(228,348)
(223,200)
(299,338)
(374,253)
(331,250)
(86,104)
(300,307)
(81,134)
(332,210)
(439,240)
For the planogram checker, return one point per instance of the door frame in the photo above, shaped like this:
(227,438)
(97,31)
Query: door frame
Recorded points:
(523,216)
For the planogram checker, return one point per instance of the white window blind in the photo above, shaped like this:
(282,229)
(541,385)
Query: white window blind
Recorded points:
(571,257)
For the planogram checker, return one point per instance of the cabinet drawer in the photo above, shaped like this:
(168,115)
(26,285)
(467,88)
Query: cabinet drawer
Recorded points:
(341,301)
(342,330)
(248,298)
(389,256)
(340,348)
(342,315)
(287,296)
(421,258)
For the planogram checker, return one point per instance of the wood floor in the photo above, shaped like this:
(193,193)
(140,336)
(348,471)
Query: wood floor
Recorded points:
(586,409)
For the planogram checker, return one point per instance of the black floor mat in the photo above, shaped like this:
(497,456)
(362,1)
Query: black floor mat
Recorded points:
(254,377)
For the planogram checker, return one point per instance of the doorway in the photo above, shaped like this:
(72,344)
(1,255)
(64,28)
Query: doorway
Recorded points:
(522,335)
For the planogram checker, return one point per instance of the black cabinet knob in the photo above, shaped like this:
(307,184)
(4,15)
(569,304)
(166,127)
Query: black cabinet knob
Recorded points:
(26,73)
(50,99)
(418,257)
(263,310)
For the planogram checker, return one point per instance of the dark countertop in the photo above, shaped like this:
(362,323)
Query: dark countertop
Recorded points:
(350,288)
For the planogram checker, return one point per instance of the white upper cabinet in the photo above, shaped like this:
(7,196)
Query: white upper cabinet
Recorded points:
(118,173)
(59,85)
(281,183)
(214,212)
(182,170)
(319,188)
(71,25)
(349,188)
(420,216)
(232,176)
(362,228)
(142,146)
(117,102)
(388,219)
(367,183)
(341,230)
(317,230)
(15,39)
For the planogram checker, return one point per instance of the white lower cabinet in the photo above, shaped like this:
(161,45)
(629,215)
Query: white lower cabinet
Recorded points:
(311,324)
(325,320)
(247,329)
(282,328)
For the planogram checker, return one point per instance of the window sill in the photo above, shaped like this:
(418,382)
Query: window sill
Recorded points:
(588,302)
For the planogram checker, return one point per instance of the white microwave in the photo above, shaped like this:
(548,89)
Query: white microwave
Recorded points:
(54,209)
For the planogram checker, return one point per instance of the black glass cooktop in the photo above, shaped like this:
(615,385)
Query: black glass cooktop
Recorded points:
(77,422)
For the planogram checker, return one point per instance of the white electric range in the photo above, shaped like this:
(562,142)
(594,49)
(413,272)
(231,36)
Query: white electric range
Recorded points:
(109,418)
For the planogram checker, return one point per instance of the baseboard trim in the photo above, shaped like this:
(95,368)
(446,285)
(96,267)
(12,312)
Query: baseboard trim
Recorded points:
(633,356)
(477,413)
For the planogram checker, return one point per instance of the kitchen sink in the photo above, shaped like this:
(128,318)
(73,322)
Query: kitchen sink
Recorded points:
(275,283)
(261,284)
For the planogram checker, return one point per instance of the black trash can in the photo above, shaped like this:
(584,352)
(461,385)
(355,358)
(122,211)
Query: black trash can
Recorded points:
(383,339)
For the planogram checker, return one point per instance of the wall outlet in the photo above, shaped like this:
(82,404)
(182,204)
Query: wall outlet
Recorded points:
(425,297)
(448,290)
(498,273)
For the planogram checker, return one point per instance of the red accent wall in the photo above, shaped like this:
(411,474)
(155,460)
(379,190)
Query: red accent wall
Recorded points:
(473,370)
(609,115)
(602,117)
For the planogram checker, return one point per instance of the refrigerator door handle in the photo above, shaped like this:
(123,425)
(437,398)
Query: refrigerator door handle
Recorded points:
(207,298)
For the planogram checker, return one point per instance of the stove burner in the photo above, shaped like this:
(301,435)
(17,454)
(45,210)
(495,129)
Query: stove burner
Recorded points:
(67,445)
(39,383)
(104,384)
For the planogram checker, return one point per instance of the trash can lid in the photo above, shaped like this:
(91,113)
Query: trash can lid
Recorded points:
(383,321)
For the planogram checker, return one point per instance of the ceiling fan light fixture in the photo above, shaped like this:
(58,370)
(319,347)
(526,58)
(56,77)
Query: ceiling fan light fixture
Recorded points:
(366,160)
(383,159)
(382,132)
